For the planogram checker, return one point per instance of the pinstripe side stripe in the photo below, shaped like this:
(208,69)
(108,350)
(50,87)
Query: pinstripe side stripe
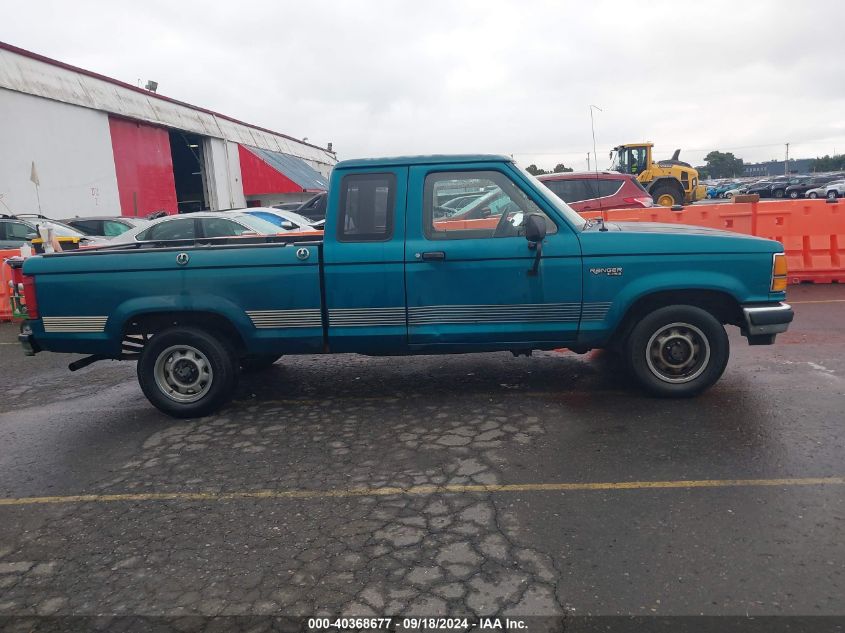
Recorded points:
(519,313)
(366,317)
(266,319)
(81,324)
(432,315)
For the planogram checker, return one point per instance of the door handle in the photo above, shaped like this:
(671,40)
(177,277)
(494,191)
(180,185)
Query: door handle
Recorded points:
(431,256)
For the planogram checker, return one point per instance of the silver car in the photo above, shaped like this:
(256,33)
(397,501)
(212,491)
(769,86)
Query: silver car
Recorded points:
(192,226)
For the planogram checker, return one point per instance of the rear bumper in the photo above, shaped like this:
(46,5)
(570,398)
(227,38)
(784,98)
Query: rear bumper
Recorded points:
(767,319)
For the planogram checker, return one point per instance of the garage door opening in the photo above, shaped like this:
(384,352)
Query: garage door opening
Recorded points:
(188,171)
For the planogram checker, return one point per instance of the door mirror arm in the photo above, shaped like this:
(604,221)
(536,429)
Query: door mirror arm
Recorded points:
(535,233)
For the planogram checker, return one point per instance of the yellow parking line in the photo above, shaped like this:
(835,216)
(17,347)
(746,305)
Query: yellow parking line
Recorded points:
(819,301)
(421,490)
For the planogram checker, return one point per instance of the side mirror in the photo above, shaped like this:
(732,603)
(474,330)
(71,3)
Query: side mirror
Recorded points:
(287,225)
(31,236)
(535,228)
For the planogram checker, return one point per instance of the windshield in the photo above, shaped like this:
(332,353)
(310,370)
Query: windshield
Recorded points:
(564,209)
(301,220)
(258,225)
(60,230)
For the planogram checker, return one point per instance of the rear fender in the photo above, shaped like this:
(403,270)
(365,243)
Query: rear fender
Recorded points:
(175,304)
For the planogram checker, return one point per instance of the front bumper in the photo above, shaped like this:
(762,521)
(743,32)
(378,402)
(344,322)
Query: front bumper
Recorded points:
(27,340)
(767,319)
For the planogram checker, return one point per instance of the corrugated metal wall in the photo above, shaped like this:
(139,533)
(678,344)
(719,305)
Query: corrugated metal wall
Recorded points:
(28,73)
(144,167)
(72,153)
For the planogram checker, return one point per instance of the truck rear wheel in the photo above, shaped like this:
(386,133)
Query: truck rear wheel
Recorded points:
(667,195)
(187,372)
(677,351)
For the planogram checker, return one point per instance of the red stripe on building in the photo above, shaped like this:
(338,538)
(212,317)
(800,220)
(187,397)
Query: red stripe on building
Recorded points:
(144,167)
(259,178)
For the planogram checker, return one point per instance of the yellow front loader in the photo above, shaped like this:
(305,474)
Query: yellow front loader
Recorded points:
(669,182)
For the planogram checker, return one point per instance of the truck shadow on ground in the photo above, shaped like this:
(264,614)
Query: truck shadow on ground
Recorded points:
(352,376)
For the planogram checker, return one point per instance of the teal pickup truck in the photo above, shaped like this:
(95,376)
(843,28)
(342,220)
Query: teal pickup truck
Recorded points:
(400,271)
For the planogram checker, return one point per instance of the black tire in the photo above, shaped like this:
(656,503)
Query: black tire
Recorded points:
(667,190)
(259,363)
(793,194)
(778,193)
(814,195)
(697,338)
(832,195)
(163,366)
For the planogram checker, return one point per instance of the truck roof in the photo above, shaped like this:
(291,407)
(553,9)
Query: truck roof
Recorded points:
(430,159)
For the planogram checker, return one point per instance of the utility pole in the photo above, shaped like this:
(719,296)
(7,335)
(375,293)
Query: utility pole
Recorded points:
(786,165)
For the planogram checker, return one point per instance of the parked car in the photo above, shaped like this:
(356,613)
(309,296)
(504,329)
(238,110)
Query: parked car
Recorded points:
(390,278)
(835,189)
(737,190)
(286,220)
(105,226)
(315,208)
(718,191)
(762,189)
(779,187)
(588,191)
(459,202)
(799,190)
(17,230)
(822,191)
(197,225)
(286,206)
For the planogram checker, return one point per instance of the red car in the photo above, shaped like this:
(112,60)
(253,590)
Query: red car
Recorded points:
(593,191)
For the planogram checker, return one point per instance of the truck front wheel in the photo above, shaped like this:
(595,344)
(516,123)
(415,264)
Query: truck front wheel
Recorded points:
(678,351)
(187,372)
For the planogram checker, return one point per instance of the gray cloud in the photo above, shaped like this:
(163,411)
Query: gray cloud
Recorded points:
(383,77)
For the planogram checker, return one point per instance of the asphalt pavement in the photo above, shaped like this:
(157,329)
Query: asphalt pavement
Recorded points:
(475,484)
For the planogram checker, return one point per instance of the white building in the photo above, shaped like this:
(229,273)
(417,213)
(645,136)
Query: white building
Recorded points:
(98,146)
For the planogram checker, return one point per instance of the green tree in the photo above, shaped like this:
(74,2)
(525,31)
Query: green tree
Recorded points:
(723,165)
(534,170)
(828,163)
(561,168)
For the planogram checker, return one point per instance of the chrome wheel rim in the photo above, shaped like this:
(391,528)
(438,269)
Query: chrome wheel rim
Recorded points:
(677,353)
(183,373)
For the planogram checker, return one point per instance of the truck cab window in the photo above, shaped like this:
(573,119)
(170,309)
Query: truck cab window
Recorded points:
(498,210)
(367,203)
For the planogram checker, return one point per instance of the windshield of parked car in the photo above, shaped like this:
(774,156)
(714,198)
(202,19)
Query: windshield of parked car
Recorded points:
(59,229)
(258,225)
(562,208)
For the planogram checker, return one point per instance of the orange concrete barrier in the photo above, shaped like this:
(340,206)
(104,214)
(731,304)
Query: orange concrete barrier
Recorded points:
(812,231)
(5,278)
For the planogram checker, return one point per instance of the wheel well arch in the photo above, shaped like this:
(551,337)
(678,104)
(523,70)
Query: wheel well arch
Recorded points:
(722,305)
(146,324)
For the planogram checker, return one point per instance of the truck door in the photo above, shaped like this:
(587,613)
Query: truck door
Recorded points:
(467,271)
(364,262)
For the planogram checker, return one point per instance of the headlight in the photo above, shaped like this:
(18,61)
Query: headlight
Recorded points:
(779,272)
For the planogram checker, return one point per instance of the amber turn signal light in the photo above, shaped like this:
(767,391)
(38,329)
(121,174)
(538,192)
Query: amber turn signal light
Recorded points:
(779,273)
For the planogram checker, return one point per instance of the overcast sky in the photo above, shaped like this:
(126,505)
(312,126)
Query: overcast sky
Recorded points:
(397,77)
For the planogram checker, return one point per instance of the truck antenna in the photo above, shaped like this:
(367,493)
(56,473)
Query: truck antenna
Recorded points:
(596,165)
